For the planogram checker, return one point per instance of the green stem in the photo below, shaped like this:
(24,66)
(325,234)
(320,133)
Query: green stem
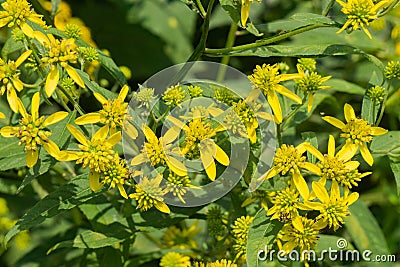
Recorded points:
(201,9)
(378,121)
(262,42)
(33,85)
(279,134)
(327,8)
(229,43)
(294,111)
(388,9)
(76,104)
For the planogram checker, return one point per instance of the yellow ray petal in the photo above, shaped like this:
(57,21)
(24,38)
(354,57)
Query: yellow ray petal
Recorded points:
(244,12)
(310,148)
(148,133)
(31,158)
(114,139)
(177,122)
(23,57)
(349,113)
(41,37)
(35,105)
(69,155)
(208,163)
(94,182)
(161,206)
(378,131)
(101,134)
(176,166)
(51,148)
(221,156)
(312,168)
(310,102)
(74,75)
(301,185)
(331,146)
(17,84)
(77,134)
(170,135)
(130,130)
(13,100)
(347,151)
(335,122)
(297,223)
(352,198)
(352,165)
(139,159)
(289,94)
(89,118)
(269,174)
(100,98)
(273,101)
(52,81)
(320,192)
(8,131)
(122,191)
(27,30)
(366,154)
(124,92)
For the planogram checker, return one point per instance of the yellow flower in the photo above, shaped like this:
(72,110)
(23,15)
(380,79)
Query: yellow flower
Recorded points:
(267,79)
(245,11)
(307,64)
(300,233)
(199,143)
(157,151)
(32,131)
(174,259)
(216,223)
(334,208)
(392,70)
(285,204)
(177,185)
(183,237)
(337,166)
(195,91)
(97,154)
(149,193)
(290,159)
(113,114)
(357,132)
(360,13)
(9,76)
(17,13)
(240,230)
(219,263)
(174,95)
(258,195)
(310,83)
(58,53)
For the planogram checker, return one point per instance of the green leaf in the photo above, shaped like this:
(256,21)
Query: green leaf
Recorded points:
(311,18)
(87,239)
(94,87)
(232,8)
(339,85)
(330,241)
(112,68)
(261,236)
(10,47)
(387,142)
(45,161)
(365,230)
(66,197)
(395,166)
(369,110)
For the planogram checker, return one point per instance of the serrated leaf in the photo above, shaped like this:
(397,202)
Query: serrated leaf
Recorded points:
(395,166)
(94,87)
(262,233)
(66,197)
(365,230)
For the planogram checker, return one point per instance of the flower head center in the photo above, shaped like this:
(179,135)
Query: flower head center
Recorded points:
(358,130)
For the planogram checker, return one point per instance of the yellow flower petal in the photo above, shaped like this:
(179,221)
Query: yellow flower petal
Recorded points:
(114,139)
(244,12)
(301,185)
(335,122)
(161,206)
(148,133)
(310,102)
(41,37)
(269,174)
(94,182)
(68,155)
(221,156)
(52,81)
(289,94)
(366,154)
(378,131)
(21,108)
(349,113)
(122,191)
(13,100)
(35,106)
(312,168)
(311,149)
(273,101)
(331,146)
(347,151)
(176,166)
(8,131)
(100,98)
(298,224)
(74,75)
(51,148)
(130,130)
(101,134)
(77,134)
(23,57)
(139,159)
(31,158)
(352,165)
(320,192)
(124,92)
(89,118)
(17,84)
(26,29)
(170,135)
(208,163)
(2,116)
(177,122)
(335,191)
(352,198)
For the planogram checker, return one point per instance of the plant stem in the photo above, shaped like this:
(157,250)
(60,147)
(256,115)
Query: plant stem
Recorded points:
(378,121)
(201,8)
(263,42)
(279,134)
(388,9)
(229,43)
(327,8)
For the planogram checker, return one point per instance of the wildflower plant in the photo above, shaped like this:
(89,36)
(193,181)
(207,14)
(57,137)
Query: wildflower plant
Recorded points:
(201,164)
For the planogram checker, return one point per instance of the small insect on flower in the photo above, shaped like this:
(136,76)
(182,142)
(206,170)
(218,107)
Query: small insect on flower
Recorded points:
(360,13)
(32,131)
(357,132)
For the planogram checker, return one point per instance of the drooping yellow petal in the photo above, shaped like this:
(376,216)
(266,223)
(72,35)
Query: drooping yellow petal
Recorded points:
(35,106)
(331,146)
(289,94)
(215,112)
(208,163)
(101,134)
(177,122)
(94,182)
(161,206)
(148,133)
(170,135)
(349,113)
(301,185)
(335,191)
(17,84)
(89,118)
(269,174)
(31,158)
(122,191)
(51,148)
(9,131)
(41,37)
(347,151)
(252,134)
(114,139)
(77,134)
(352,198)
(130,130)
(221,156)
(366,154)
(310,102)
(74,75)
(320,192)
(27,30)
(351,165)
(69,155)
(378,131)
(139,159)
(176,166)
(23,57)
(335,122)
(2,116)
(13,100)
(244,12)
(124,92)
(298,224)
(52,81)
(273,101)
(100,98)
(312,168)
(21,108)
(311,149)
